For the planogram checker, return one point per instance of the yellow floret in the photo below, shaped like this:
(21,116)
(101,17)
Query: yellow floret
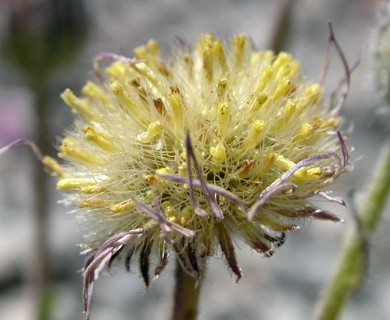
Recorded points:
(218,152)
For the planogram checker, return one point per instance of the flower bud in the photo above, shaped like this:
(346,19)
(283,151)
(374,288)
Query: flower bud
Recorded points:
(43,34)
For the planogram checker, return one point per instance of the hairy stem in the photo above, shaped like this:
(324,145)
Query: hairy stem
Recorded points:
(350,272)
(186,296)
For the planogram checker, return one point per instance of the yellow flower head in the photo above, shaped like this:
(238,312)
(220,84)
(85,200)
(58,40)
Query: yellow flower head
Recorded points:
(180,155)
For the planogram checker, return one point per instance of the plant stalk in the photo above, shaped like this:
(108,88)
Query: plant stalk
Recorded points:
(282,27)
(186,295)
(351,270)
(41,271)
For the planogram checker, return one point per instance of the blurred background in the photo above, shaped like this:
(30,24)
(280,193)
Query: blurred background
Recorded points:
(39,258)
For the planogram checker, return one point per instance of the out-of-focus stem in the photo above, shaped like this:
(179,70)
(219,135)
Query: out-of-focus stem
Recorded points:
(41,270)
(350,272)
(186,296)
(281,28)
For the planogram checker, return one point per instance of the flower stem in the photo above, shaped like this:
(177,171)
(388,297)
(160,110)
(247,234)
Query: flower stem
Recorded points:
(350,271)
(186,296)
(282,27)
(41,270)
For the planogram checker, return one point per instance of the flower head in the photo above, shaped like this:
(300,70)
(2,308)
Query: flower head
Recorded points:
(380,46)
(181,155)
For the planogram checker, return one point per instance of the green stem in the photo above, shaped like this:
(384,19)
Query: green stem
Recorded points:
(186,297)
(41,271)
(282,27)
(350,271)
